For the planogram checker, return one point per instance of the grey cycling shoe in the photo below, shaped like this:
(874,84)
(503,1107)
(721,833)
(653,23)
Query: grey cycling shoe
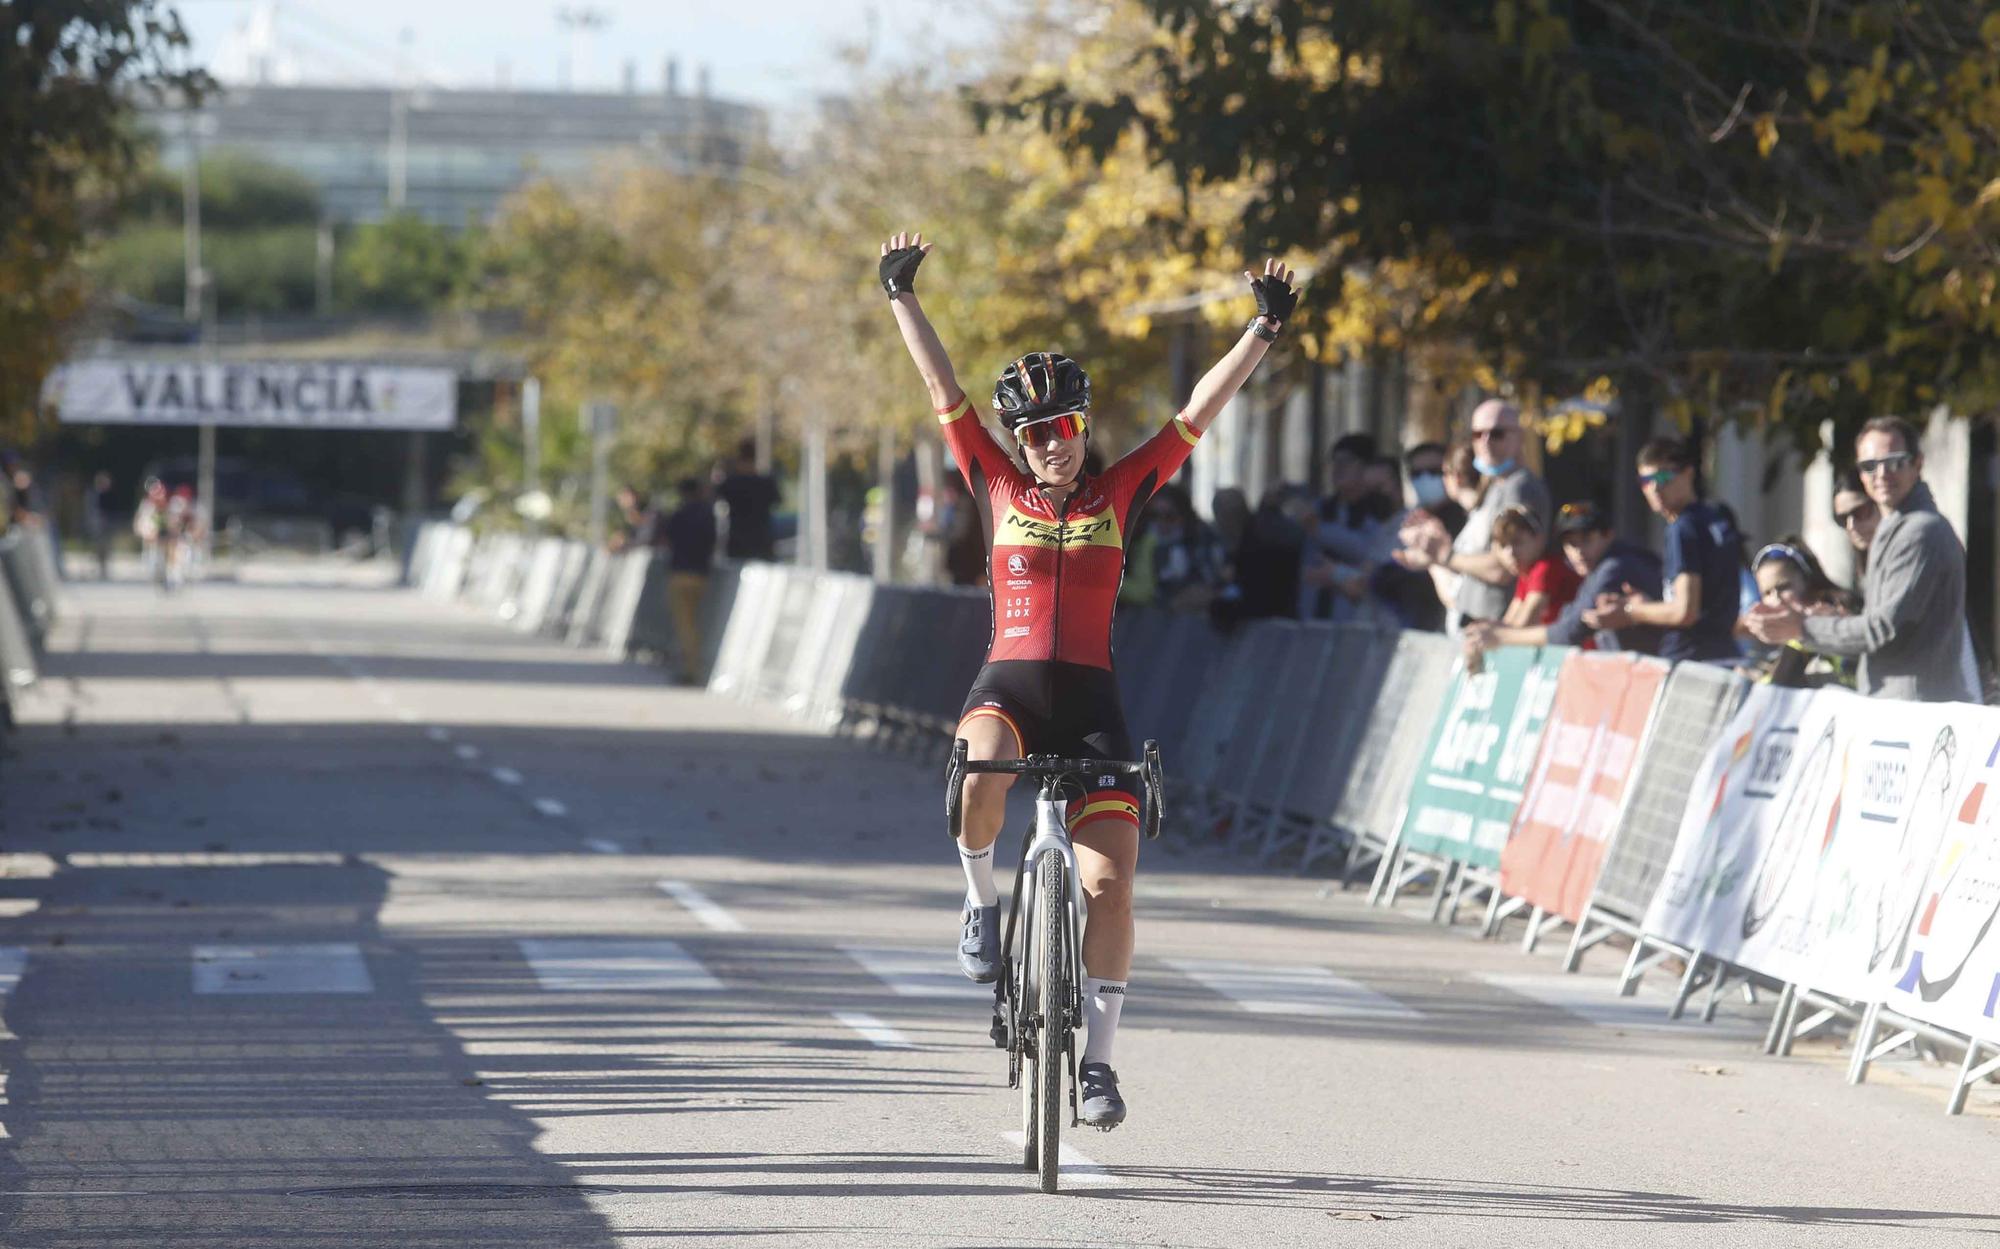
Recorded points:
(1101,1107)
(979,944)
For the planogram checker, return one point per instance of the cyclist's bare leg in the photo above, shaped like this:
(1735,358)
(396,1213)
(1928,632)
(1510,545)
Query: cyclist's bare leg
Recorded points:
(985,809)
(1107,856)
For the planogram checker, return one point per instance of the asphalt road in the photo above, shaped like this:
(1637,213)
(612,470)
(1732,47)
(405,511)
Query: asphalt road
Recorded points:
(335,917)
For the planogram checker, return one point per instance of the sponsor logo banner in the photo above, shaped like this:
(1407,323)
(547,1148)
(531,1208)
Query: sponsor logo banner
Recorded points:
(1017,528)
(1816,865)
(1480,753)
(264,393)
(1589,751)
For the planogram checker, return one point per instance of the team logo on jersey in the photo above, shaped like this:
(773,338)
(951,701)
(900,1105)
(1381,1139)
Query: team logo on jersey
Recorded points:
(1019,529)
(1017,565)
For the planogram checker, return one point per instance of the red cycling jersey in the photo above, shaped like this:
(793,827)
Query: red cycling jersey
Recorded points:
(1055,576)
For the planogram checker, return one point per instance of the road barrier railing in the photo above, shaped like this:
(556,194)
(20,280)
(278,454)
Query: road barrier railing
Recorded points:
(1840,851)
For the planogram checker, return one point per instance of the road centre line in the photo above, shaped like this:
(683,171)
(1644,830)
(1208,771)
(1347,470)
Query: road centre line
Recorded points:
(506,776)
(916,973)
(440,736)
(328,967)
(1278,989)
(1073,1167)
(551,808)
(13,965)
(604,845)
(700,905)
(467,753)
(877,1033)
(579,964)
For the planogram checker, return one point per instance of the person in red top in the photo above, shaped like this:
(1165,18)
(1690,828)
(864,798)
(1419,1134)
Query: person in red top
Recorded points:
(1544,583)
(1056,551)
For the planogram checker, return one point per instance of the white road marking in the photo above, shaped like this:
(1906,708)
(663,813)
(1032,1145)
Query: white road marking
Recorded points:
(579,964)
(1075,1170)
(13,965)
(603,845)
(506,776)
(405,716)
(700,905)
(1278,989)
(332,967)
(877,1033)
(1596,1000)
(551,808)
(917,973)
(16,908)
(467,753)
(440,736)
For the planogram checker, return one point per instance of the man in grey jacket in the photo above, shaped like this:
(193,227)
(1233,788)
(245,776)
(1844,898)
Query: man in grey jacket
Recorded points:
(1910,634)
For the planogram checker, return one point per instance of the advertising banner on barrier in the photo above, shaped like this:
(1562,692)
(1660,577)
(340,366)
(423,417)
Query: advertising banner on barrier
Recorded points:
(1743,788)
(1810,862)
(1945,968)
(1479,755)
(1589,750)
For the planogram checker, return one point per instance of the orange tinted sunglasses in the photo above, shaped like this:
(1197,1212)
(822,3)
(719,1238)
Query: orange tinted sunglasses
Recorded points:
(1068,425)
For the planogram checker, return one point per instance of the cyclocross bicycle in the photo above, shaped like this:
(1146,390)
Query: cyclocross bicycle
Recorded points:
(1038,1000)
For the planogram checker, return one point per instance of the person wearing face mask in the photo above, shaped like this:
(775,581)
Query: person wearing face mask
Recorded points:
(1058,535)
(1483,587)
(1424,464)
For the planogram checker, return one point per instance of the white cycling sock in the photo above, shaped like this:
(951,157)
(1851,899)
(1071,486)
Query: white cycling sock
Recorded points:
(978,865)
(1102,1002)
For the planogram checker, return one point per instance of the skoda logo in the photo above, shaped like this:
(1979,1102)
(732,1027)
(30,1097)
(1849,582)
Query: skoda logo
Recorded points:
(1017,565)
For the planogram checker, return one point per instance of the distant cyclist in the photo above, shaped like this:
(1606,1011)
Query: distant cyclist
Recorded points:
(1056,552)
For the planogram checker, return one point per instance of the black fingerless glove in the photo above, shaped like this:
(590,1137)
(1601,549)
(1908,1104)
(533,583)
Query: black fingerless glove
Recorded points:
(899,270)
(1275,299)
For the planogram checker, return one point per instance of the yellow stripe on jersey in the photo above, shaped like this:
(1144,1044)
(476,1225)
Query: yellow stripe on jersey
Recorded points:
(1017,528)
(1109,806)
(1186,429)
(956,411)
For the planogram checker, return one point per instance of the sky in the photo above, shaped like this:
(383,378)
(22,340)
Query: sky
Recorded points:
(779,53)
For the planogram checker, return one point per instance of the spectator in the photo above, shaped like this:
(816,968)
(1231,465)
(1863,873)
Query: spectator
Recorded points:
(636,522)
(1177,561)
(149,525)
(1544,583)
(749,497)
(1606,563)
(1264,569)
(1232,516)
(964,543)
(97,508)
(689,534)
(1353,532)
(1789,576)
(1701,581)
(1425,465)
(1910,634)
(1483,588)
(1857,516)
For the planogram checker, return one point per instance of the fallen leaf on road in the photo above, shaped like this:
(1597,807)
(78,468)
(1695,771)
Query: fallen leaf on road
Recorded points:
(1705,1069)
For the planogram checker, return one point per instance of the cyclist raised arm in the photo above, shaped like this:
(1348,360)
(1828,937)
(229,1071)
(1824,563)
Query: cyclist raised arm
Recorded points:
(1056,552)
(900,257)
(1276,298)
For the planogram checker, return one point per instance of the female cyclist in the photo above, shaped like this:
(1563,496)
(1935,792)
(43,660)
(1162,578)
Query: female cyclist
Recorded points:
(1056,550)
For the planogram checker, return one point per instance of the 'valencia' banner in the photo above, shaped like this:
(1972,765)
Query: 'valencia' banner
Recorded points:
(262,394)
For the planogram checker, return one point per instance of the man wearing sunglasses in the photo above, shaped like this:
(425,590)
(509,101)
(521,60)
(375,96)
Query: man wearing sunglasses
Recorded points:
(1484,586)
(1702,577)
(1910,635)
(1057,552)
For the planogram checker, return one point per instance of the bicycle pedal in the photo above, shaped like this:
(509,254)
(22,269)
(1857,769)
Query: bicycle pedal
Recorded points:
(999,1034)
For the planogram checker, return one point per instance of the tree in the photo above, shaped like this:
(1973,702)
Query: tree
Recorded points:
(66,69)
(1759,210)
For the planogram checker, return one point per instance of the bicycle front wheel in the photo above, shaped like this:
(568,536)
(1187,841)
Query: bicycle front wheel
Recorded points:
(1052,970)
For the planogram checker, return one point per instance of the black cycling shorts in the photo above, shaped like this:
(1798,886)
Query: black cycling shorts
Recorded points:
(1065,709)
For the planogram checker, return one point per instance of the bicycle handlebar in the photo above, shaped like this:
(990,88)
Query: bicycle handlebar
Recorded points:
(1147,769)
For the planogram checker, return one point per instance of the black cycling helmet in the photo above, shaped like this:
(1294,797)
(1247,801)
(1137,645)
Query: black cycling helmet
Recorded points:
(1040,385)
